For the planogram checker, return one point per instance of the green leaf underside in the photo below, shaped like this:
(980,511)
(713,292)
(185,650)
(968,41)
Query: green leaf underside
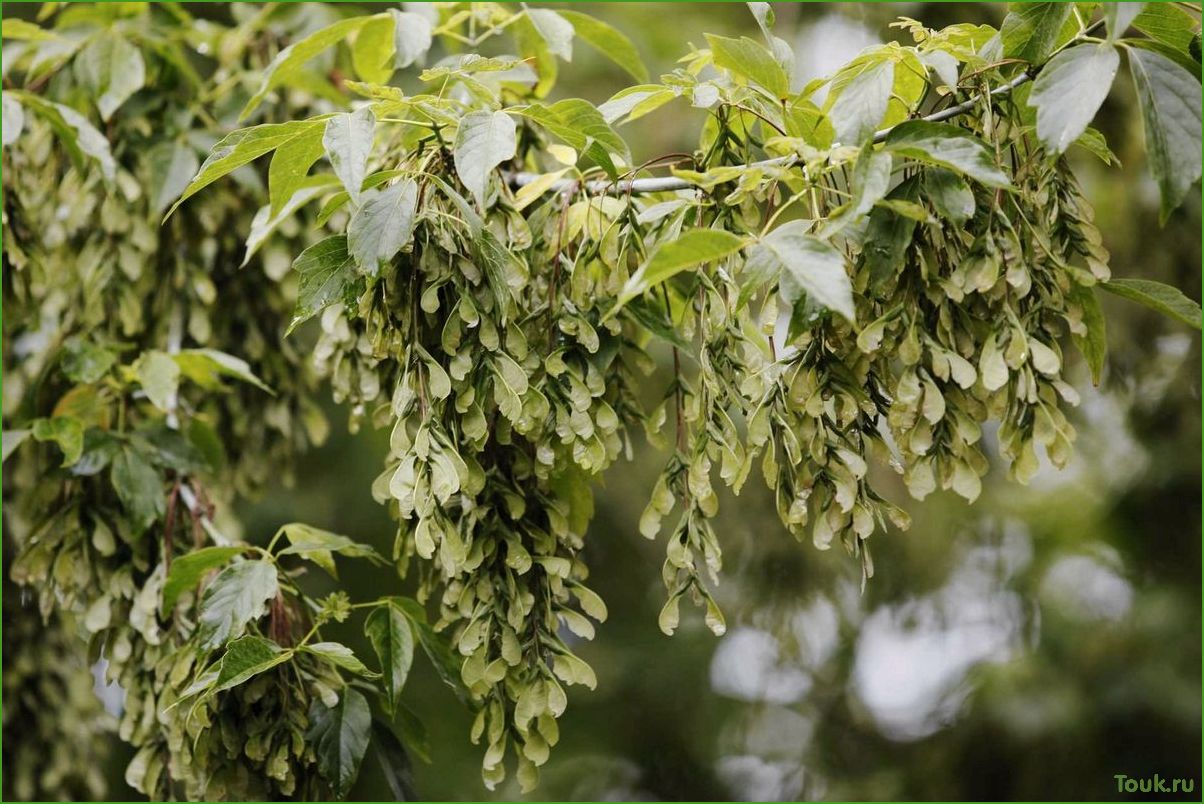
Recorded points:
(1165,299)
(693,248)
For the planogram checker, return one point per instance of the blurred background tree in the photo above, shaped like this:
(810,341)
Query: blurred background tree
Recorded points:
(1030,647)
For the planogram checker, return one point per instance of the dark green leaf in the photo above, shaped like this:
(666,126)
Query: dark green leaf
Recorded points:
(949,194)
(239,148)
(1093,345)
(289,168)
(324,271)
(949,146)
(1165,299)
(389,631)
(692,248)
(247,657)
(445,662)
(139,487)
(1031,31)
(339,738)
(394,762)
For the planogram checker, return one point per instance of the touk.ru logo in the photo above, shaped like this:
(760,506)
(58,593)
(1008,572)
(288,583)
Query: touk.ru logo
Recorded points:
(1152,784)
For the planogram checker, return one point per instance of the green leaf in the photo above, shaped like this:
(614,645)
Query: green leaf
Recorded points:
(240,148)
(1120,16)
(950,195)
(692,248)
(205,367)
(170,166)
(288,63)
(1165,299)
(1167,23)
(237,596)
(264,222)
(187,571)
(581,125)
(77,135)
(389,631)
(138,486)
(411,37)
(1093,345)
(13,28)
(160,378)
(325,269)
(1069,91)
(394,762)
(14,439)
(348,141)
(338,654)
(750,59)
(804,264)
(66,431)
(861,104)
(373,50)
(111,69)
(247,657)
(608,41)
(382,225)
(86,361)
(446,663)
(1031,31)
(317,545)
(1170,107)
(14,118)
(949,146)
(289,168)
(556,31)
(484,141)
(339,737)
